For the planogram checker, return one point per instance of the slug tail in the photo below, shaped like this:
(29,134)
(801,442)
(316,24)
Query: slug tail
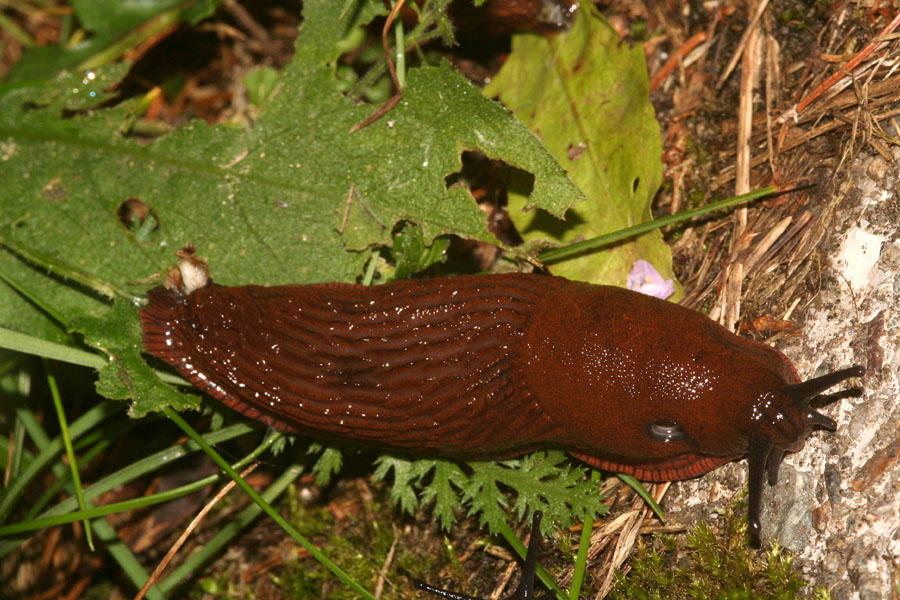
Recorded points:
(156,323)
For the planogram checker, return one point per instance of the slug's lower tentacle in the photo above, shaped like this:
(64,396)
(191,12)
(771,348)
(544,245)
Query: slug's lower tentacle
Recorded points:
(774,464)
(759,455)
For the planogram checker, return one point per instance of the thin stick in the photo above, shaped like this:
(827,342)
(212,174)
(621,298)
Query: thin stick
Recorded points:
(685,49)
(188,530)
(745,122)
(843,71)
(751,26)
(393,100)
(382,574)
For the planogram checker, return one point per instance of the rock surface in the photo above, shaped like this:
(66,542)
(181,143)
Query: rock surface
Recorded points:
(837,502)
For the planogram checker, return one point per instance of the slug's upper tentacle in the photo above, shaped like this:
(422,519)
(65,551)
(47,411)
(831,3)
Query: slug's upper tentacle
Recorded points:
(809,389)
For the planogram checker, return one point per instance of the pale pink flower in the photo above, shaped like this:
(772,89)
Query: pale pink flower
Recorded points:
(647,280)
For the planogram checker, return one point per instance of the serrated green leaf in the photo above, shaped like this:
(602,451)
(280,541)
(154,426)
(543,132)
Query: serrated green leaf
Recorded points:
(544,481)
(127,376)
(328,465)
(448,479)
(263,206)
(426,135)
(586,95)
(405,477)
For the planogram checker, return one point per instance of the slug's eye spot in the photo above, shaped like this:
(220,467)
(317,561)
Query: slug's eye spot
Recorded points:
(665,430)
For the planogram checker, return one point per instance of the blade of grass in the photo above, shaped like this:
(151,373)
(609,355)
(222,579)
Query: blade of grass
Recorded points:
(147,30)
(13,29)
(584,544)
(638,487)
(94,512)
(125,558)
(128,563)
(70,451)
(558,254)
(28,344)
(84,423)
(266,507)
(60,514)
(99,440)
(192,564)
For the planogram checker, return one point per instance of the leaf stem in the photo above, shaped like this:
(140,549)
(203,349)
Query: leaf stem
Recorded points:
(584,545)
(400,52)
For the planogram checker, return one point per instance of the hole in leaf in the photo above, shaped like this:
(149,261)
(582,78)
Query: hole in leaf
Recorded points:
(139,219)
(489,181)
(411,253)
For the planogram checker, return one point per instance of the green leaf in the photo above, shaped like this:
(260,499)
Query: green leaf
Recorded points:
(585,94)
(117,25)
(410,253)
(127,376)
(544,481)
(263,206)
(408,153)
(117,17)
(328,464)
(448,478)
(406,475)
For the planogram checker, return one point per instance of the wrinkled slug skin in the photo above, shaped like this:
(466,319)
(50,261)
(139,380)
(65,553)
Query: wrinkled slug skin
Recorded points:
(476,366)
(608,362)
(413,365)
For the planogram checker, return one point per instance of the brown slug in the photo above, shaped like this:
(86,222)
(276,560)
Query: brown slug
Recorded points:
(492,366)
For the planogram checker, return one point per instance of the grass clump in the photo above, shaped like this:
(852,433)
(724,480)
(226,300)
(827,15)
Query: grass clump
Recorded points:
(705,565)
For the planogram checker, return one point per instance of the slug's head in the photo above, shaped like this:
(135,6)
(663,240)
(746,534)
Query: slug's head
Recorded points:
(780,422)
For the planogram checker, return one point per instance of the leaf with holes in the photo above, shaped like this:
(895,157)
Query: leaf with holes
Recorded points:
(296,198)
(585,93)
